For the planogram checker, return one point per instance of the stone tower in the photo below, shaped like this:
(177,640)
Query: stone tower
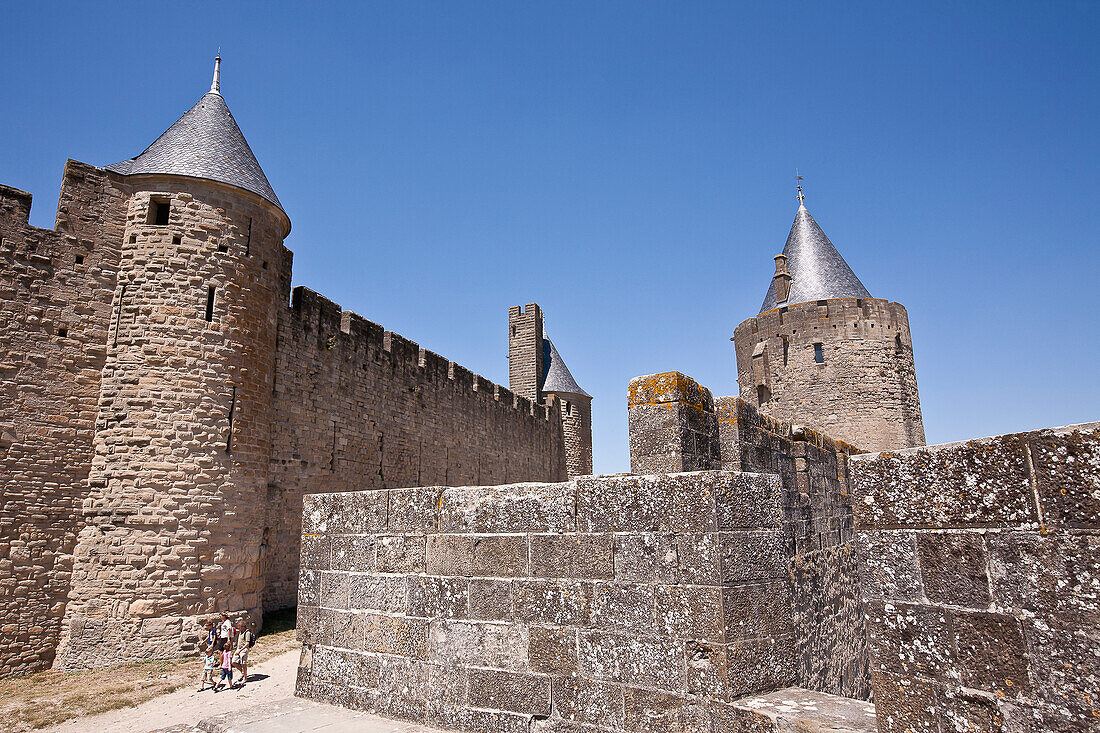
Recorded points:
(824,353)
(536,371)
(174,516)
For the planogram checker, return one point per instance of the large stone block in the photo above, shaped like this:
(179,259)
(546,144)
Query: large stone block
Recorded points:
(982,483)
(912,639)
(355,553)
(954,568)
(690,612)
(478,644)
(624,606)
(490,600)
(373,592)
(992,653)
(651,557)
(431,597)
(662,503)
(653,711)
(399,554)
(750,501)
(502,556)
(887,563)
(405,637)
(572,556)
(752,556)
(758,610)
(558,602)
(414,510)
(1067,475)
(552,650)
(347,667)
(512,508)
(630,659)
(515,692)
(582,700)
(905,705)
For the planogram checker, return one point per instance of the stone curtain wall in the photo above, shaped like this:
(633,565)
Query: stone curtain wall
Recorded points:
(607,603)
(364,408)
(173,523)
(676,425)
(54,315)
(865,392)
(982,582)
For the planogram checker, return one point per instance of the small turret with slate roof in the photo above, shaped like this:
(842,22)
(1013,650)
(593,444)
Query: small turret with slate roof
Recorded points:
(824,352)
(537,372)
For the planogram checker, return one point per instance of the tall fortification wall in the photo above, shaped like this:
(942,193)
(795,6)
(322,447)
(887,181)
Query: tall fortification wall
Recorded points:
(360,407)
(844,366)
(55,306)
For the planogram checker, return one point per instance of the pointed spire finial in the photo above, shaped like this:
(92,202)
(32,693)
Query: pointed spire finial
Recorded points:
(216,85)
(801,198)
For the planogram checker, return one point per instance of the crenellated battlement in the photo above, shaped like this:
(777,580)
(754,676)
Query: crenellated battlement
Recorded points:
(329,328)
(843,317)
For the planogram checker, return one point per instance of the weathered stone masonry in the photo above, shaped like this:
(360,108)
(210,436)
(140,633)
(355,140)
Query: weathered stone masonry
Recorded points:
(55,304)
(981,578)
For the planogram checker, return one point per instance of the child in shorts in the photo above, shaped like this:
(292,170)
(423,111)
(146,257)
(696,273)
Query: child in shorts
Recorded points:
(209,664)
(226,667)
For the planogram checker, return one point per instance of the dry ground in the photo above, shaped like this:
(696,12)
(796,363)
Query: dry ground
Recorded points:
(48,698)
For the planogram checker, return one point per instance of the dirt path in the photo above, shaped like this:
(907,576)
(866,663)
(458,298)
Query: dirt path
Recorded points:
(188,706)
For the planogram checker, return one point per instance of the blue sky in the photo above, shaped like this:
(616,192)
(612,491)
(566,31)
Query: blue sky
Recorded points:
(630,167)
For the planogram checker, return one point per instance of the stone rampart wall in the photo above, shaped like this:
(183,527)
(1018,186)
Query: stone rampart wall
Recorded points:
(981,580)
(675,424)
(608,603)
(55,305)
(360,407)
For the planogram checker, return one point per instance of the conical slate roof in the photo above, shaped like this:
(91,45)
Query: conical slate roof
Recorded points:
(204,143)
(817,270)
(558,379)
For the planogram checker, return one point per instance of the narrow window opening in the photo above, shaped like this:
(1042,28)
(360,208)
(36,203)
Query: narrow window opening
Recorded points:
(513,331)
(898,345)
(176,239)
(763,395)
(232,409)
(133,239)
(210,304)
(80,259)
(248,242)
(786,349)
(819,353)
(332,455)
(158,211)
(118,313)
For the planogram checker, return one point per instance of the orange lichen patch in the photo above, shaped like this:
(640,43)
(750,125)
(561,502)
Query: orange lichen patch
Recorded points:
(668,387)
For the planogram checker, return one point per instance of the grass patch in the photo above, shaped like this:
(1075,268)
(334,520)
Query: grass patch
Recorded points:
(48,698)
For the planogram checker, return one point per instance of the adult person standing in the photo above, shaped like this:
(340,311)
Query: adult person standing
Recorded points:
(226,632)
(246,638)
